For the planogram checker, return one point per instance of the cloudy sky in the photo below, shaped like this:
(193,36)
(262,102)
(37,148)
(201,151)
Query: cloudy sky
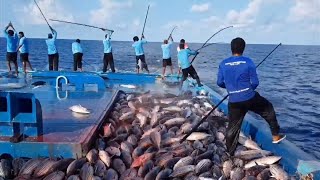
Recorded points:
(258,21)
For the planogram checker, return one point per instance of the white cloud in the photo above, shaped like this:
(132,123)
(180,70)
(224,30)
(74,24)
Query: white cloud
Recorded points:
(180,24)
(200,7)
(108,9)
(51,9)
(245,17)
(305,10)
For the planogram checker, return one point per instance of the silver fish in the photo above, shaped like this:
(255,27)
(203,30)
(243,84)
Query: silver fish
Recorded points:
(143,170)
(167,101)
(203,165)
(126,158)
(184,102)
(113,151)
(142,119)
(156,138)
(227,167)
(111,174)
(132,139)
(248,143)
(5,168)
(59,175)
(92,156)
(173,109)
(118,165)
(182,171)
(129,174)
(86,171)
(278,173)
(263,161)
(17,164)
(126,116)
(152,174)
(105,158)
(75,165)
(264,175)
(99,168)
(73,177)
(45,168)
(30,166)
(96,178)
(132,105)
(129,97)
(164,174)
(251,154)
(197,136)
(126,146)
(156,109)
(237,174)
(184,162)
(175,121)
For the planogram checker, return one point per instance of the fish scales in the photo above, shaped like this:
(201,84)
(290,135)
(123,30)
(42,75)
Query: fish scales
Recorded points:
(203,165)
(59,175)
(44,168)
(75,165)
(143,170)
(86,171)
(30,166)
(182,171)
(164,174)
(152,174)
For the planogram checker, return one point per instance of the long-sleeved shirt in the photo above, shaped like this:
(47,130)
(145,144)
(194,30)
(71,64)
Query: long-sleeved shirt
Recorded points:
(76,48)
(51,43)
(12,41)
(238,75)
(24,45)
(107,48)
(138,47)
(183,58)
(166,48)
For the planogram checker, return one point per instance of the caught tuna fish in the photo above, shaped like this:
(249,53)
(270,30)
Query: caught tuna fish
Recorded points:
(75,165)
(5,168)
(264,175)
(237,174)
(172,109)
(86,171)
(126,116)
(251,154)
(107,131)
(126,158)
(197,136)
(167,101)
(247,142)
(92,156)
(79,109)
(129,174)
(59,175)
(113,151)
(182,171)
(203,166)
(152,174)
(184,162)
(74,177)
(118,165)
(142,119)
(132,105)
(45,168)
(156,138)
(99,168)
(175,122)
(143,170)
(263,161)
(111,174)
(17,164)
(227,167)
(142,159)
(164,174)
(278,173)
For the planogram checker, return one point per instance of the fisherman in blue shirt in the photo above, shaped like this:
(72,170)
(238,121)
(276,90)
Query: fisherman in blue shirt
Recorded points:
(238,75)
(24,52)
(77,55)
(138,48)
(12,43)
(107,49)
(166,55)
(184,63)
(53,55)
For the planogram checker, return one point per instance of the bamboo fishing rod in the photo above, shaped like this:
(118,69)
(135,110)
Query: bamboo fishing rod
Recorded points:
(170,35)
(145,21)
(43,14)
(215,107)
(80,24)
(204,44)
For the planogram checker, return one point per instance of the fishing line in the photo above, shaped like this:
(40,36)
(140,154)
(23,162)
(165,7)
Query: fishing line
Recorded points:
(215,107)
(80,24)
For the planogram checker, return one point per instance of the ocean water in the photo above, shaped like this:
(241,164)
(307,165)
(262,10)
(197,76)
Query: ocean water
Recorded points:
(289,78)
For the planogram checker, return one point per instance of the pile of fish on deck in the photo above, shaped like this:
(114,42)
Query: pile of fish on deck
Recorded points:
(140,140)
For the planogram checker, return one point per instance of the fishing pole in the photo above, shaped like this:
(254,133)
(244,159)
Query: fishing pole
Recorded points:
(215,107)
(80,24)
(210,39)
(170,35)
(145,21)
(42,14)
(89,64)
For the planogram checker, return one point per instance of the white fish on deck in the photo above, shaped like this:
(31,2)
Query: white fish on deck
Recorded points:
(246,142)
(278,173)
(130,86)
(263,161)
(197,136)
(79,109)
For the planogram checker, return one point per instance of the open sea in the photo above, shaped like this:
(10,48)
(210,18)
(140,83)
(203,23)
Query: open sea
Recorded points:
(289,78)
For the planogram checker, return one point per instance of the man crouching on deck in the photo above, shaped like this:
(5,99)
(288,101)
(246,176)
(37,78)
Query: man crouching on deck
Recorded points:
(238,75)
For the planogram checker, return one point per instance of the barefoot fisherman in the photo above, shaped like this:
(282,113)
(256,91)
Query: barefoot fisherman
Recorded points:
(238,75)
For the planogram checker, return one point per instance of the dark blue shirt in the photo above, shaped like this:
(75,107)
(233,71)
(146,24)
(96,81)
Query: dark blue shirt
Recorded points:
(238,75)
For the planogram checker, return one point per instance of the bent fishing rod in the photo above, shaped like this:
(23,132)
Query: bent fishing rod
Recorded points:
(170,35)
(43,15)
(215,107)
(204,44)
(145,21)
(80,24)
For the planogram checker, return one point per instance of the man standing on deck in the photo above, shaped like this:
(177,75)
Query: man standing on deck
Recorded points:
(12,43)
(238,75)
(166,55)
(24,52)
(184,63)
(53,55)
(107,49)
(77,55)
(138,48)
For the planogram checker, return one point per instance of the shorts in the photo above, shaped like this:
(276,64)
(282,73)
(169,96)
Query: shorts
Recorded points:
(166,62)
(190,70)
(12,57)
(24,57)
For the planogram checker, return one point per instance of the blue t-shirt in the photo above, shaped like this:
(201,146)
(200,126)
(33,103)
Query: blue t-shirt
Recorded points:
(12,41)
(183,58)
(76,48)
(166,50)
(138,47)
(238,75)
(51,43)
(24,45)
(107,48)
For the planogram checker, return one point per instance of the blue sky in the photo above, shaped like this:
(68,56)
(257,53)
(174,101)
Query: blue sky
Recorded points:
(257,21)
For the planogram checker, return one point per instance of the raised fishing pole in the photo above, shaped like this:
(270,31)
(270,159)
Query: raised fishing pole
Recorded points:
(215,107)
(80,24)
(170,35)
(209,40)
(42,14)
(145,21)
